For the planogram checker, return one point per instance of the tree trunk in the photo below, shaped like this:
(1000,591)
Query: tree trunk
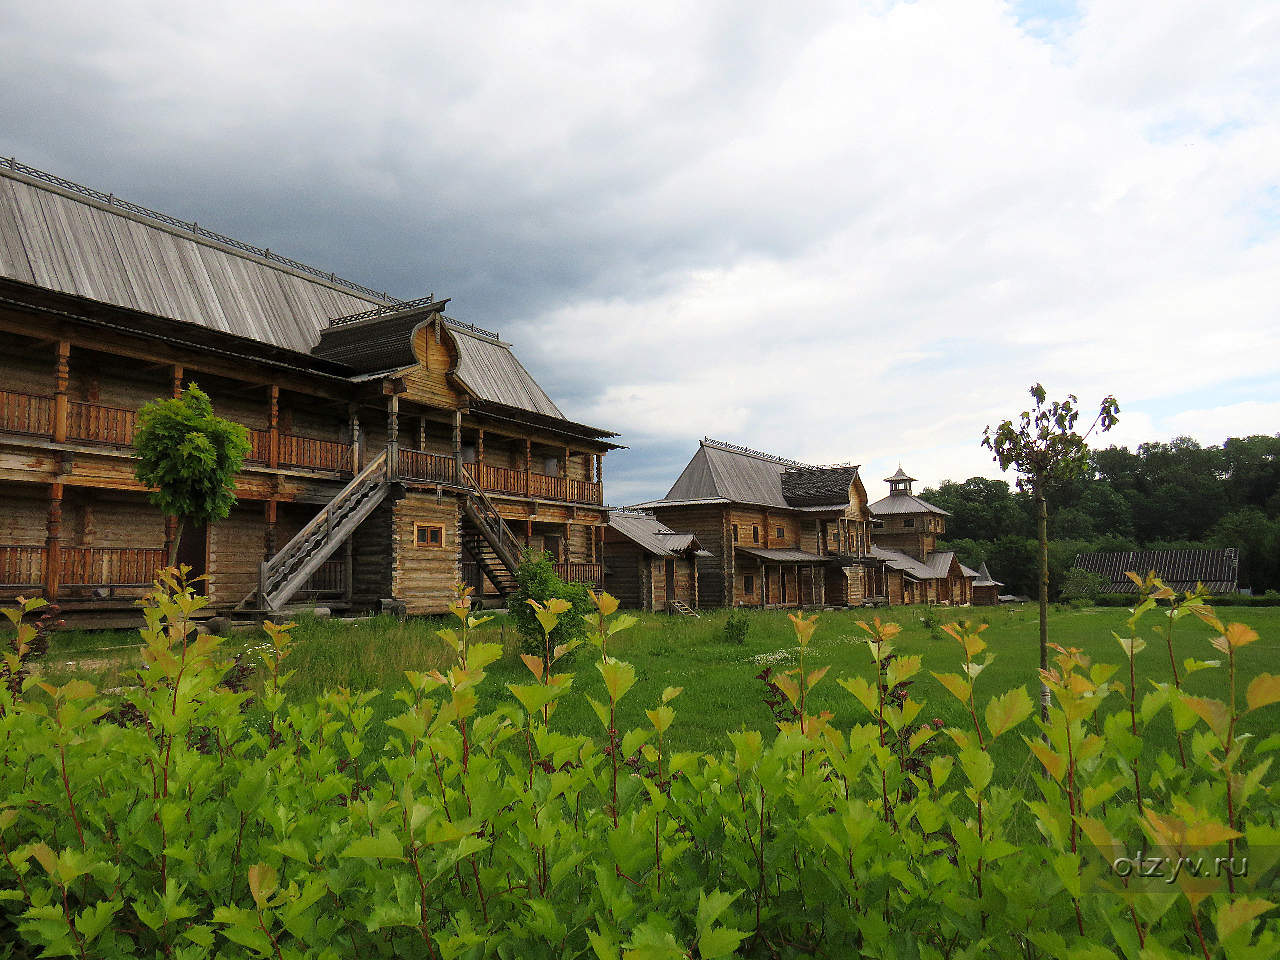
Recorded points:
(1042,530)
(177,539)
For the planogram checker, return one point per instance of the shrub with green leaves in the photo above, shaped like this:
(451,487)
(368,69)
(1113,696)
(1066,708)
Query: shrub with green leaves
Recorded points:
(206,829)
(189,458)
(537,580)
(736,627)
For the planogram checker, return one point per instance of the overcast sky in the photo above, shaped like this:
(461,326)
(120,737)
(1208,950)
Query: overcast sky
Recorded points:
(835,231)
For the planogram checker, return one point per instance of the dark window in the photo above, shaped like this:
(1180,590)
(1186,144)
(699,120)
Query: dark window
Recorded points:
(755,534)
(781,534)
(735,533)
(428,535)
(748,584)
(908,522)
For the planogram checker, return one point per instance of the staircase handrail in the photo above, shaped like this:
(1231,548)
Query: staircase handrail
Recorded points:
(325,517)
(490,515)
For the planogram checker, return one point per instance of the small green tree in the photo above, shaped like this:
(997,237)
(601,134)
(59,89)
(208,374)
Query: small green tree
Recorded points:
(1079,584)
(189,458)
(536,579)
(1045,449)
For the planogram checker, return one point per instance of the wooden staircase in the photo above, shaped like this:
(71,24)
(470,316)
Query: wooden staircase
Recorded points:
(488,539)
(681,608)
(281,577)
(485,535)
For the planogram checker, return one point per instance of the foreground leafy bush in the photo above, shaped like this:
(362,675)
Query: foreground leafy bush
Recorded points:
(737,627)
(203,829)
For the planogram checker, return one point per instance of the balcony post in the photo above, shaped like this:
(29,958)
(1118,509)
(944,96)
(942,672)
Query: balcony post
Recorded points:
(393,435)
(273,429)
(600,476)
(457,444)
(61,376)
(53,543)
(269,535)
(422,433)
(353,415)
(480,448)
(170,535)
(176,373)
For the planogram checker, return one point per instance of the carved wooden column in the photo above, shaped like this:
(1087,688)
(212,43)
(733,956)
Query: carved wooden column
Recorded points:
(175,386)
(564,546)
(353,415)
(170,536)
(61,376)
(528,531)
(393,435)
(273,428)
(422,433)
(53,542)
(600,475)
(269,535)
(480,447)
(457,442)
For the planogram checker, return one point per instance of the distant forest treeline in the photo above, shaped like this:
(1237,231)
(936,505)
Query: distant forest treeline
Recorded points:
(1162,496)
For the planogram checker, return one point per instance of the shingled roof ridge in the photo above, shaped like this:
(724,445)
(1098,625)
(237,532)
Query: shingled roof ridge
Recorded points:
(10,165)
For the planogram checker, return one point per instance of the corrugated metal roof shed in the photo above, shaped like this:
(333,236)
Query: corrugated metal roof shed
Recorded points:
(1218,570)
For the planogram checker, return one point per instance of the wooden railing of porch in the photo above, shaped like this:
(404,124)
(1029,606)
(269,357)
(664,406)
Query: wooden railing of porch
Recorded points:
(581,572)
(421,465)
(24,566)
(33,415)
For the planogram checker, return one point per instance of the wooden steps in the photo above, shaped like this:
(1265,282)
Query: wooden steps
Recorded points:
(680,608)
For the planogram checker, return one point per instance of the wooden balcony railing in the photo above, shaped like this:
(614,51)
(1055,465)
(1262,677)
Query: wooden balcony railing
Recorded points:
(21,566)
(24,413)
(575,572)
(110,566)
(100,424)
(24,566)
(259,446)
(421,465)
(307,452)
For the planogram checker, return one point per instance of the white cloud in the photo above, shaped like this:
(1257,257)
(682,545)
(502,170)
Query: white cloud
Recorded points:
(840,232)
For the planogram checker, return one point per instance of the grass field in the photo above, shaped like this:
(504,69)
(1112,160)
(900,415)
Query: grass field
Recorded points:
(721,689)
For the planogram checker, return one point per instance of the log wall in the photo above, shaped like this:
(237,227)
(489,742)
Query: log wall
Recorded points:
(424,577)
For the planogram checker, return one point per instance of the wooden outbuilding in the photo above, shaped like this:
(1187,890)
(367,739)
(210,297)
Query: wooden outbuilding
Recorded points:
(650,566)
(986,589)
(394,448)
(781,533)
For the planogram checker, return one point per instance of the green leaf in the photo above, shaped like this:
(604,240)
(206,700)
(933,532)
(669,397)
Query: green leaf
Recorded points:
(977,766)
(710,907)
(719,942)
(91,921)
(384,846)
(1007,711)
(1264,689)
(618,678)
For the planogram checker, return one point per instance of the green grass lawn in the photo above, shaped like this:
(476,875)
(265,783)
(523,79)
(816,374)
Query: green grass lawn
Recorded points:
(721,689)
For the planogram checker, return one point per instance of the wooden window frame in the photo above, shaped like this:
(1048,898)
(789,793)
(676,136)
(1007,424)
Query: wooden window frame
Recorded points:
(782,533)
(755,533)
(748,585)
(735,533)
(419,527)
(908,523)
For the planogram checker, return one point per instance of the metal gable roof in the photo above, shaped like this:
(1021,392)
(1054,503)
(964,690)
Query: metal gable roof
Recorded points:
(491,371)
(904,503)
(653,535)
(68,240)
(727,472)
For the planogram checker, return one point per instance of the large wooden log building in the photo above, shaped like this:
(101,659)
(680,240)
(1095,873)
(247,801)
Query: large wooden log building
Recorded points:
(394,449)
(786,534)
